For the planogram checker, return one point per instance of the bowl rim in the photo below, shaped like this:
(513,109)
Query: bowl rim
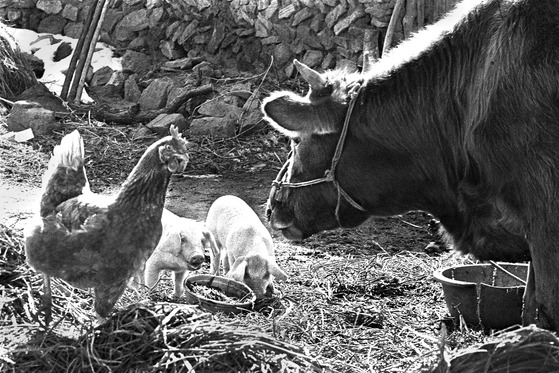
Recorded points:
(438,275)
(248,303)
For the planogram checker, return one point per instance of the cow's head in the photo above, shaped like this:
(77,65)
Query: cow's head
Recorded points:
(314,123)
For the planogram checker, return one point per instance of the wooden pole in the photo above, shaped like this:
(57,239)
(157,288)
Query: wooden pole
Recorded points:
(92,45)
(77,52)
(370,49)
(420,14)
(87,42)
(392,26)
(409,17)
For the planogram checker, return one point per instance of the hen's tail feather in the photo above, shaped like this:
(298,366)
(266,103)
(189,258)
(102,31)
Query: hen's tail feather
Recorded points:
(65,177)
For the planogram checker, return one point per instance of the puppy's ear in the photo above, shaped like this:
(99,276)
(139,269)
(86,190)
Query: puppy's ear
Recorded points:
(170,242)
(277,272)
(238,270)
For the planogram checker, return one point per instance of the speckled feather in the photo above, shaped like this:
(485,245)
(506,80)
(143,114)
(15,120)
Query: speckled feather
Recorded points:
(97,241)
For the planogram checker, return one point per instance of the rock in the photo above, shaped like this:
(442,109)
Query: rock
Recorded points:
(347,65)
(36,64)
(117,80)
(251,119)
(334,15)
(328,62)
(64,50)
(41,95)
(155,95)
(50,6)
(73,29)
(135,21)
(112,18)
(183,63)
(141,132)
(101,76)
(135,62)
(70,12)
(104,93)
(52,24)
(242,90)
(219,109)
(301,15)
(344,23)
(170,50)
(138,44)
(155,17)
(161,124)
(205,69)
(132,92)
(313,58)
(282,54)
(212,126)
(27,114)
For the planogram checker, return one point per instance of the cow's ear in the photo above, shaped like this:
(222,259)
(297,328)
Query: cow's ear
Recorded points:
(288,113)
(295,116)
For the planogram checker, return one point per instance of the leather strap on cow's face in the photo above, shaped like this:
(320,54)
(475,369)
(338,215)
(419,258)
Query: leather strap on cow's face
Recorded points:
(329,175)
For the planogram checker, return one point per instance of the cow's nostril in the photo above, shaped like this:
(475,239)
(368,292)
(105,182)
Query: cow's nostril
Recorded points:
(197,260)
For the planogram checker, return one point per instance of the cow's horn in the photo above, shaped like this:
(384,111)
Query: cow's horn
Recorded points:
(315,80)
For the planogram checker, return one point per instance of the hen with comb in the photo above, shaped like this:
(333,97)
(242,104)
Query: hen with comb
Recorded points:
(96,241)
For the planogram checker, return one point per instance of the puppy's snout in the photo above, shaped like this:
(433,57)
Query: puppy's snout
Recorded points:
(269,290)
(197,260)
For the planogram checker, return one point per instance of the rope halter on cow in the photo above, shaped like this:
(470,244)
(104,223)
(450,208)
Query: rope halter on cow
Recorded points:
(329,175)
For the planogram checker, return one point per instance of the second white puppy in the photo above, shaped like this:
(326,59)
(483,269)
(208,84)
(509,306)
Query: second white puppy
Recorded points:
(245,246)
(180,249)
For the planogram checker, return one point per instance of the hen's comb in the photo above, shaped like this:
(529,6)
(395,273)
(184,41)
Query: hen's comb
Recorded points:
(175,132)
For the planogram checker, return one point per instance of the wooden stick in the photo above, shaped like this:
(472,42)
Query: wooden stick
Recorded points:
(87,41)
(92,46)
(77,52)
(392,26)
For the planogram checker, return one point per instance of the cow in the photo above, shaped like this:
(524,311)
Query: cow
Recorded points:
(461,120)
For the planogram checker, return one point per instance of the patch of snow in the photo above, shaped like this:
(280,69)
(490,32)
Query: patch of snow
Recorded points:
(40,45)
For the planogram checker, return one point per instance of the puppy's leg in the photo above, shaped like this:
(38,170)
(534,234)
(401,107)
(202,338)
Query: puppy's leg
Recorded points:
(179,277)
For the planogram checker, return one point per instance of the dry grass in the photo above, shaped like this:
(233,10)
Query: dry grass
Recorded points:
(341,314)
(111,152)
(357,301)
(15,73)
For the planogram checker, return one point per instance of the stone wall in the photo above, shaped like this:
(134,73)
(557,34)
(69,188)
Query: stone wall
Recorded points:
(236,33)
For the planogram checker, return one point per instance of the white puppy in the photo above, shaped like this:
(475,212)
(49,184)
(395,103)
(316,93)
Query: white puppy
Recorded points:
(245,246)
(180,248)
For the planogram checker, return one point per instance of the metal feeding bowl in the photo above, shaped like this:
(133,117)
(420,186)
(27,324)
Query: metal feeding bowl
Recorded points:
(489,295)
(219,294)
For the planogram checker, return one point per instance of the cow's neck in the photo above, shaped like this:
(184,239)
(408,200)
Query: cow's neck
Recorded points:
(420,113)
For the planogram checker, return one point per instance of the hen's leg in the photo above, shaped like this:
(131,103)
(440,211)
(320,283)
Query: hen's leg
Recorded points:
(47,299)
(106,297)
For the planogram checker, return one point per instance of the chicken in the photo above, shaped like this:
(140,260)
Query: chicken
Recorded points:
(94,241)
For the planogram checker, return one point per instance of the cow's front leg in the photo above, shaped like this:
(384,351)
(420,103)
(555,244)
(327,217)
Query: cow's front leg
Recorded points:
(529,313)
(544,301)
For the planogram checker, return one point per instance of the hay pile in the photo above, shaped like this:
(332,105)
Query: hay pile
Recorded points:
(523,350)
(16,74)
(149,337)
(162,337)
